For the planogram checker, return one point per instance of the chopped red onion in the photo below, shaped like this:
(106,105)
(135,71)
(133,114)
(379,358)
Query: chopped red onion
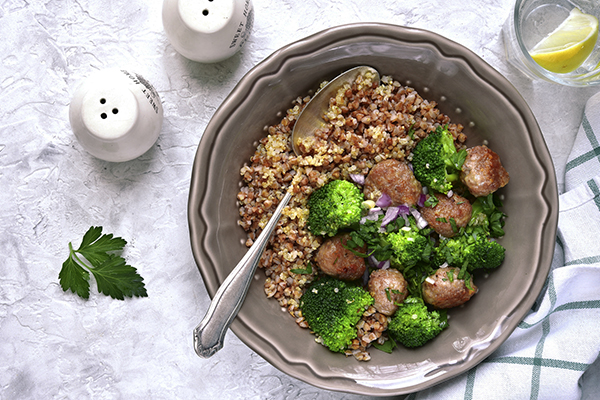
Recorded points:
(365,277)
(373,262)
(371,216)
(384,200)
(390,215)
(358,178)
(422,199)
(450,193)
(403,210)
(421,223)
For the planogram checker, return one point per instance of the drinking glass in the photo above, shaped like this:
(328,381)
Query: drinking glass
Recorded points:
(532,20)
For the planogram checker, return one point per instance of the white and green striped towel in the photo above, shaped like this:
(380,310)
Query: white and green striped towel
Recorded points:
(554,353)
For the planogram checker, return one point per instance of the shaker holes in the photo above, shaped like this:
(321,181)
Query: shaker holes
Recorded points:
(205,11)
(104,115)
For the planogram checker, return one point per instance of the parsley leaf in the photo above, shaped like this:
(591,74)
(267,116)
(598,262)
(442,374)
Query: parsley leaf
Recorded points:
(458,159)
(74,277)
(387,347)
(95,246)
(487,214)
(113,276)
(431,201)
(411,132)
(307,270)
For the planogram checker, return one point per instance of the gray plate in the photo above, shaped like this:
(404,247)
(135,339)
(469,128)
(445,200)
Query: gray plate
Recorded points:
(471,93)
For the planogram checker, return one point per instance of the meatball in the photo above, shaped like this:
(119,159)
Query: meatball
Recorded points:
(447,290)
(439,217)
(482,172)
(395,179)
(335,260)
(388,288)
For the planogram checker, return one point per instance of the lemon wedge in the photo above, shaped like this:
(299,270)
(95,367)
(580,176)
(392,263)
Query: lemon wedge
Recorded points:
(567,47)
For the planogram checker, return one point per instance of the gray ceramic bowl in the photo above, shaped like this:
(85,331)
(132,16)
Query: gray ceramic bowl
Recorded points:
(470,92)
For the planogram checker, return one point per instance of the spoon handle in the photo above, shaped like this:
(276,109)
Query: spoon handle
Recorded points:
(210,333)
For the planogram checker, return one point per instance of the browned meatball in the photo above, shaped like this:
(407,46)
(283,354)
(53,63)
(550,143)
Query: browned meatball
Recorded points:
(447,290)
(335,260)
(388,288)
(439,217)
(482,171)
(395,179)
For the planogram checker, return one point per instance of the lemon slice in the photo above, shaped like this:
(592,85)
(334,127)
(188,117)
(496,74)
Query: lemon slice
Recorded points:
(567,47)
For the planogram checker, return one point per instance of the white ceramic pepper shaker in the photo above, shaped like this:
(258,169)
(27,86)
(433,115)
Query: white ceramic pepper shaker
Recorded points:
(207,31)
(116,115)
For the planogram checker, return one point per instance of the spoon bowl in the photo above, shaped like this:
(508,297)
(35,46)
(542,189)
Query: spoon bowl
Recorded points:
(311,116)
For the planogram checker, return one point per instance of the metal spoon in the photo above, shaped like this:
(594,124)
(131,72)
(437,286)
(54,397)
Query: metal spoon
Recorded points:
(210,333)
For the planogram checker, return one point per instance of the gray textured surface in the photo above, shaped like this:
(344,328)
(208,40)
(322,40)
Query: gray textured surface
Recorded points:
(54,345)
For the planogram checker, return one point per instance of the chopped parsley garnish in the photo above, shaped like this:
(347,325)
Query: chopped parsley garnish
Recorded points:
(411,132)
(453,225)
(490,207)
(368,234)
(386,347)
(431,201)
(459,158)
(300,271)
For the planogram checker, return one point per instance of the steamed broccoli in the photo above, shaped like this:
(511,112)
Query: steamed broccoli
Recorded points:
(413,324)
(470,250)
(332,308)
(409,245)
(436,163)
(334,206)
(484,253)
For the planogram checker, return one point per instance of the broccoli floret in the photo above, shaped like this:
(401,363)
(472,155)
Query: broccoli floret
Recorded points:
(436,163)
(334,206)
(484,254)
(450,251)
(409,245)
(332,308)
(476,251)
(413,324)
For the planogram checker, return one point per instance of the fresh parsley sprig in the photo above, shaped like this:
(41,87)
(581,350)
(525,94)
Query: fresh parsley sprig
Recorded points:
(98,254)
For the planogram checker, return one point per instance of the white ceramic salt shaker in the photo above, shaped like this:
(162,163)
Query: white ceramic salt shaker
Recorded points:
(116,115)
(207,31)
